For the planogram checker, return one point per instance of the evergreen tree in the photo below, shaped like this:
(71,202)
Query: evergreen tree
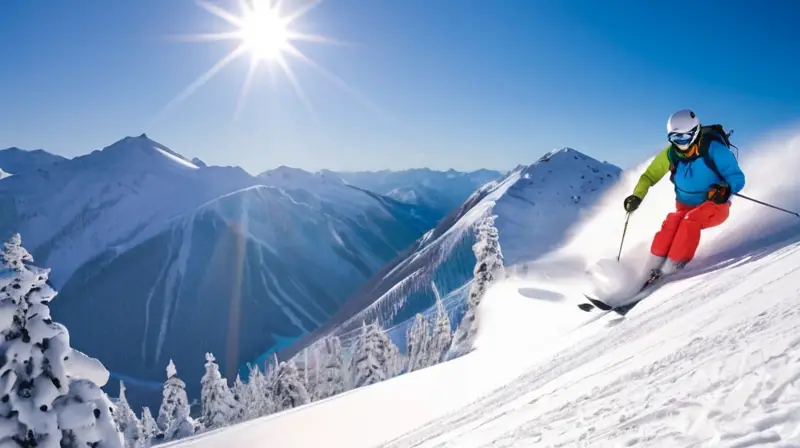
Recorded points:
(288,389)
(127,423)
(333,372)
(259,395)
(375,357)
(441,335)
(488,268)
(418,343)
(217,400)
(240,396)
(309,370)
(148,429)
(173,416)
(51,394)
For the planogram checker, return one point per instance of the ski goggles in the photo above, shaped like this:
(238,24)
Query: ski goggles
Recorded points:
(682,139)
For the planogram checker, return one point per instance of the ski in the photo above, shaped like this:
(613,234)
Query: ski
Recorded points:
(622,310)
(586,306)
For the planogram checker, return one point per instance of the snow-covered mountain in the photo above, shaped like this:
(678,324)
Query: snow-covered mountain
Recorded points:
(172,259)
(19,161)
(441,190)
(108,201)
(535,206)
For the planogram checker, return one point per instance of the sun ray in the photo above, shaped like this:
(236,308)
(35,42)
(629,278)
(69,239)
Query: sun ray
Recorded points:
(205,77)
(277,7)
(263,31)
(207,37)
(300,12)
(244,7)
(298,89)
(221,13)
(316,38)
(339,82)
(251,71)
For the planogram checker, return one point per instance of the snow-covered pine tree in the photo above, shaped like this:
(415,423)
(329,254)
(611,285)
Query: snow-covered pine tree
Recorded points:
(333,371)
(216,398)
(241,397)
(148,428)
(288,389)
(51,394)
(441,335)
(14,255)
(173,416)
(488,269)
(418,343)
(309,369)
(127,423)
(375,357)
(259,395)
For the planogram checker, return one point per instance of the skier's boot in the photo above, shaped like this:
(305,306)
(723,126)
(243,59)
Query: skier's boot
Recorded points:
(671,266)
(653,267)
(654,262)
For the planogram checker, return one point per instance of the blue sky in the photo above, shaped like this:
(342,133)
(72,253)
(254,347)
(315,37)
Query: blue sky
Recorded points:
(456,83)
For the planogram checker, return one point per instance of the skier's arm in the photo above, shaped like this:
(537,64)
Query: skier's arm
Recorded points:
(658,168)
(727,165)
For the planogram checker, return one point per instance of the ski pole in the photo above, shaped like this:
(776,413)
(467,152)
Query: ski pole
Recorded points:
(767,205)
(624,231)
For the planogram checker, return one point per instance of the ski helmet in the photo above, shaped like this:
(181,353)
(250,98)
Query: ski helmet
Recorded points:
(683,128)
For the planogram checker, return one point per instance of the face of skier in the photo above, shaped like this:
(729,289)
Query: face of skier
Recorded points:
(683,140)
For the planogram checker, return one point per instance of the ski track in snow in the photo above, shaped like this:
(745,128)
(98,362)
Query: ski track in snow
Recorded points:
(710,382)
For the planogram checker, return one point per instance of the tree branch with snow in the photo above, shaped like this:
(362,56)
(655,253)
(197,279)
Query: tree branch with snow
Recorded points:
(49,398)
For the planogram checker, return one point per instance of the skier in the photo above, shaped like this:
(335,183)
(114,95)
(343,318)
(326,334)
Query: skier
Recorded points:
(705,174)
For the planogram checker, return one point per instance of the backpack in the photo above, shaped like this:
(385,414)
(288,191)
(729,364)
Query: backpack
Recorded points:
(707,135)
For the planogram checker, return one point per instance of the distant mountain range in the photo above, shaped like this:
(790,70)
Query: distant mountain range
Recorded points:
(160,257)
(443,191)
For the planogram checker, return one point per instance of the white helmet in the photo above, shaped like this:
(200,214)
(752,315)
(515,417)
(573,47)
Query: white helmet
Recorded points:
(683,128)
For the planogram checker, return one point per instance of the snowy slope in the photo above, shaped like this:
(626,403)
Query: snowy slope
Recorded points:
(675,374)
(535,205)
(710,359)
(441,190)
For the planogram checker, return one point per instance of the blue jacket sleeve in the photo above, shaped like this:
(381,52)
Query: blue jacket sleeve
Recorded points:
(727,165)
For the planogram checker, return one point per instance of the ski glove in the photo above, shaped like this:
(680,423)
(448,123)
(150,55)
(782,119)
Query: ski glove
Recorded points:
(719,193)
(632,203)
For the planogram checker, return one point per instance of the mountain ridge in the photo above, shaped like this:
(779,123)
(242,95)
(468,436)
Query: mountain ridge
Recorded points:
(562,181)
(157,249)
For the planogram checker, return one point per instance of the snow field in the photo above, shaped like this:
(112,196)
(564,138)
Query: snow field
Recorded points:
(366,416)
(706,361)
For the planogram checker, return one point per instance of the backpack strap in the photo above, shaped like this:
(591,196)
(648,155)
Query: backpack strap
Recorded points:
(707,135)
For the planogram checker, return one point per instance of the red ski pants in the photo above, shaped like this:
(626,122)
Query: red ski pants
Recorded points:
(680,233)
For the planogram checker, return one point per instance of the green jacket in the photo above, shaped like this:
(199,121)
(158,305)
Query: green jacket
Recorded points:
(658,168)
(694,178)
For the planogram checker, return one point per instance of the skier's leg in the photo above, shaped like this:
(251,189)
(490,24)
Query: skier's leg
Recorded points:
(687,238)
(662,242)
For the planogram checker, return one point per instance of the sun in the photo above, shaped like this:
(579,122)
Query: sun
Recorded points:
(266,33)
